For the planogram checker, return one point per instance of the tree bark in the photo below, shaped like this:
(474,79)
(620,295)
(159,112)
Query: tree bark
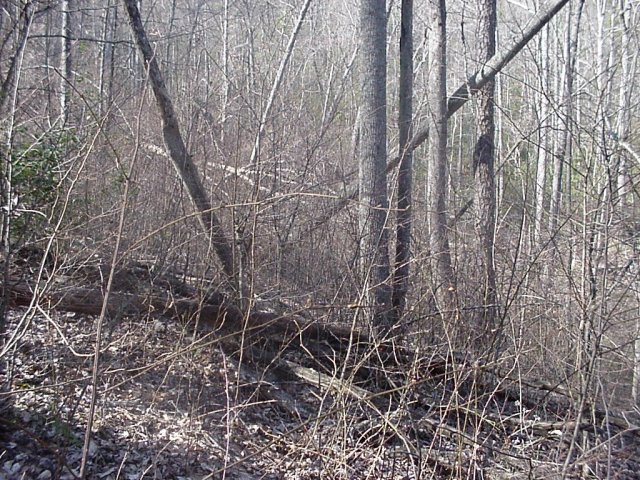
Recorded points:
(446,288)
(544,133)
(464,91)
(107,57)
(255,154)
(405,173)
(66,63)
(623,123)
(373,207)
(566,118)
(492,67)
(9,89)
(177,149)
(483,168)
(9,81)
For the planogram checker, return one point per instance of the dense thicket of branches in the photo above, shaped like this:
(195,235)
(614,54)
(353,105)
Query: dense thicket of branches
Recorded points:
(317,146)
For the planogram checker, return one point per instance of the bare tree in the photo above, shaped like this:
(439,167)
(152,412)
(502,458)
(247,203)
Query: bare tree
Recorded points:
(9,82)
(226,76)
(405,172)
(9,92)
(255,154)
(472,85)
(438,164)
(544,135)
(66,59)
(483,166)
(563,151)
(373,208)
(628,60)
(177,149)
(628,64)
(107,56)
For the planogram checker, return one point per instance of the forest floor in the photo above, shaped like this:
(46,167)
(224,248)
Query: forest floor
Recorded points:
(172,405)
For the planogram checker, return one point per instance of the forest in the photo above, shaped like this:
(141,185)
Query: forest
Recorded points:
(330,239)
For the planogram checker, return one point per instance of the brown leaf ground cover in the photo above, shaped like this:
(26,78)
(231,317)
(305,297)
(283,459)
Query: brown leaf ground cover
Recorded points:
(172,404)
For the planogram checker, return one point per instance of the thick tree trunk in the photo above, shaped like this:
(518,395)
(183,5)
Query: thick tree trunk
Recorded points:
(483,168)
(177,149)
(465,90)
(405,173)
(373,209)
(213,314)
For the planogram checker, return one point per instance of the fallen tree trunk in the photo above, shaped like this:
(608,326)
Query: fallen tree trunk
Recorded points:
(213,314)
(260,343)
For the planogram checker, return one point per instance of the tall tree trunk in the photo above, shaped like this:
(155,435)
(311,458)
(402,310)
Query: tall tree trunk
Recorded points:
(255,154)
(471,86)
(10,81)
(623,122)
(440,251)
(373,209)
(563,151)
(66,60)
(483,167)
(107,57)
(9,92)
(169,55)
(226,76)
(177,149)
(543,136)
(628,62)
(500,137)
(405,173)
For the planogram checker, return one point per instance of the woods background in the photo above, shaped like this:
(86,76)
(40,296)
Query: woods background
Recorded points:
(335,185)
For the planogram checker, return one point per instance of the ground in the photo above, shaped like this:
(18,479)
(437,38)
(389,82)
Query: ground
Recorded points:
(172,405)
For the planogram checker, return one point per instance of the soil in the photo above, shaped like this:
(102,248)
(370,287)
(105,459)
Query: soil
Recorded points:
(171,404)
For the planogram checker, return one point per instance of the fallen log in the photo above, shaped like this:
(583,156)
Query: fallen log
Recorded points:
(215,313)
